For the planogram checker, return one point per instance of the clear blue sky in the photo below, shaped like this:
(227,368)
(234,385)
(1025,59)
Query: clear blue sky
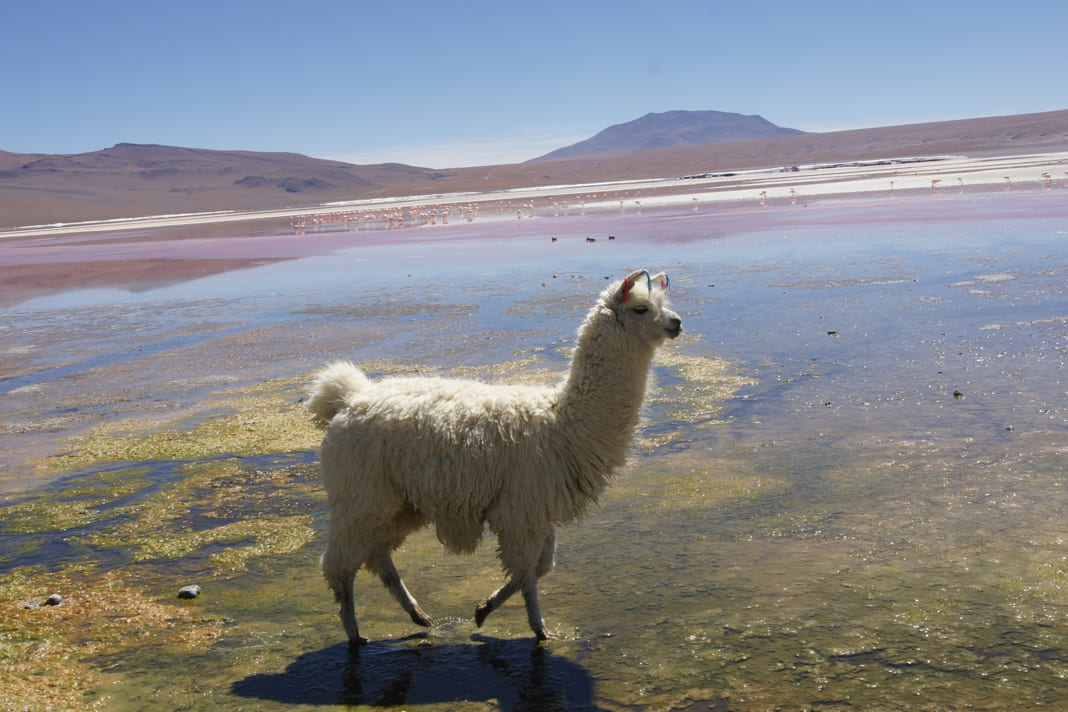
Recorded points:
(445,84)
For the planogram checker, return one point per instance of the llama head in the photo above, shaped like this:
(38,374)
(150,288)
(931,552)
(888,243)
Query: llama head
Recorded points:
(639,303)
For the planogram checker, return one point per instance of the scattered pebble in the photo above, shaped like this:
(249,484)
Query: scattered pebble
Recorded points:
(958,395)
(189,591)
(54,600)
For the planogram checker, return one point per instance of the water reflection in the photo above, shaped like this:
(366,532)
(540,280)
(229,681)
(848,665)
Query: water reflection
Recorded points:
(510,674)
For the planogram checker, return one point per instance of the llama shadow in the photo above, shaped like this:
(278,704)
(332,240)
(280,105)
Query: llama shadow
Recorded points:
(517,674)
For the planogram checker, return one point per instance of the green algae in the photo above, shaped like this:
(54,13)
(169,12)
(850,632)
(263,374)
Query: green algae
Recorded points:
(220,512)
(50,655)
(266,418)
(698,387)
(81,501)
(199,510)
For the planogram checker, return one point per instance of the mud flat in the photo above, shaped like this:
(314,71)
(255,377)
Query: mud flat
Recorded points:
(847,491)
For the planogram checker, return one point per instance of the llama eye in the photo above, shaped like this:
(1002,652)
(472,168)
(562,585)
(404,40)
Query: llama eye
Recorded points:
(640,310)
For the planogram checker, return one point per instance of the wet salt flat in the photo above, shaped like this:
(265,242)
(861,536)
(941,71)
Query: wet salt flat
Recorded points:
(848,490)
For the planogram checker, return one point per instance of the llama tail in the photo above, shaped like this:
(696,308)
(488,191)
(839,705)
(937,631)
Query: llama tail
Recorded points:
(330,389)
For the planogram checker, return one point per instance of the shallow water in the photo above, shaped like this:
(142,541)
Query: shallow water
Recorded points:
(860,506)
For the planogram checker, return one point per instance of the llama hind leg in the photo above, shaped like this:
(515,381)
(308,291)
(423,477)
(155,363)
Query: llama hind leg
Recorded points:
(498,597)
(340,564)
(342,587)
(381,563)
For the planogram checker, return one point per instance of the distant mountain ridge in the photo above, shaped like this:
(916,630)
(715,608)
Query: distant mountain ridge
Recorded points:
(672,128)
(153,162)
(127,179)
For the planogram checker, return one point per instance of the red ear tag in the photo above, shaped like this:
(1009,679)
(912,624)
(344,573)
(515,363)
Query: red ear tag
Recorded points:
(663,284)
(626,290)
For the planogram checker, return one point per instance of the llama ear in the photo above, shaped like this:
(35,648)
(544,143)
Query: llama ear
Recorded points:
(662,279)
(628,283)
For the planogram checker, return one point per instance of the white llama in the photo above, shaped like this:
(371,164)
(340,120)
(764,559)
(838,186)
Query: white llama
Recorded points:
(400,453)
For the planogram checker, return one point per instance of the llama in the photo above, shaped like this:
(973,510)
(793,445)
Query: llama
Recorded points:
(401,453)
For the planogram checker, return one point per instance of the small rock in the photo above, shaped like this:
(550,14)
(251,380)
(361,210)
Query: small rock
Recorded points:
(32,605)
(189,591)
(958,395)
(54,600)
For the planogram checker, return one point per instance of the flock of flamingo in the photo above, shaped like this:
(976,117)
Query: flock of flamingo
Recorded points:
(389,218)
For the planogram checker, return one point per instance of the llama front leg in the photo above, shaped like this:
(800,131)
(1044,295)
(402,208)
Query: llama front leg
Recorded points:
(530,597)
(530,587)
(548,551)
(528,563)
(527,582)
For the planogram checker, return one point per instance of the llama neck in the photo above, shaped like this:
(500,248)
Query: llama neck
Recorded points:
(604,392)
(597,410)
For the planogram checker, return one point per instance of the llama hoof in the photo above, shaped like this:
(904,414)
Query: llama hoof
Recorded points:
(358,642)
(481,612)
(543,635)
(420,618)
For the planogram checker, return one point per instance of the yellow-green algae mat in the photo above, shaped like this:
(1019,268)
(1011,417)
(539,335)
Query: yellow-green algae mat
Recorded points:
(47,653)
(115,521)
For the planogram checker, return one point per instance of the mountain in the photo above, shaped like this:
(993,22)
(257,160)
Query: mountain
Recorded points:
(125,179)
(672,128)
